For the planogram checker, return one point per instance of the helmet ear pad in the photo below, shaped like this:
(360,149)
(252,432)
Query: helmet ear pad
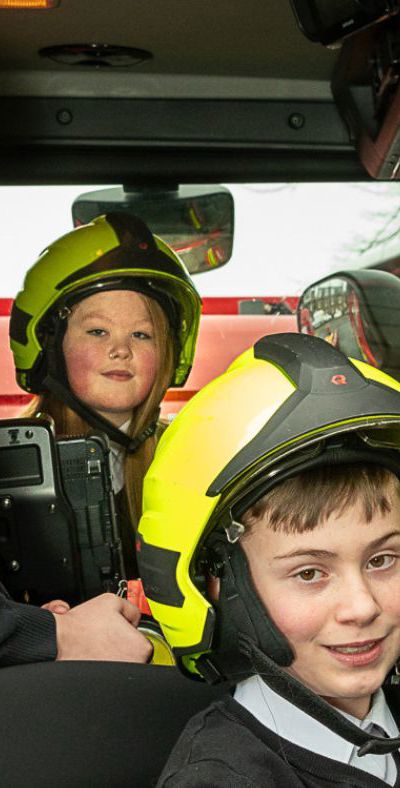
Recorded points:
(53,348)
(240,610)
(50,360)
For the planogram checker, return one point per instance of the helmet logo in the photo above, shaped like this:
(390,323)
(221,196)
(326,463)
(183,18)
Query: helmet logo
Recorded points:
(339,380)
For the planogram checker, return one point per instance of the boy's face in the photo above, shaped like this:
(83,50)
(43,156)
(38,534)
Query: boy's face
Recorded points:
(335,593)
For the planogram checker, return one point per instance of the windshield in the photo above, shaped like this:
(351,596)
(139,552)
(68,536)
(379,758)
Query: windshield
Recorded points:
(286,235)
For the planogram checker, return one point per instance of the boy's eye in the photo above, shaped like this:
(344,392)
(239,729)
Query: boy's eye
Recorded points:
(383,561)
(309,575)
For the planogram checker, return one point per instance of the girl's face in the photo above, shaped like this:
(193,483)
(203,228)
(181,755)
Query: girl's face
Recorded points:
(335,593)
(110,353)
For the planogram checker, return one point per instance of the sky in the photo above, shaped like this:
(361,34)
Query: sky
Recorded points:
(286,237)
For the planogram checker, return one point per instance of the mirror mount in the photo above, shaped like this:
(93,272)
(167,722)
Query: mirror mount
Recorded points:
(329,22)
(366,89)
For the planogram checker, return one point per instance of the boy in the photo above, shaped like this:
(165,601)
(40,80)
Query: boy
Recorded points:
(271,559)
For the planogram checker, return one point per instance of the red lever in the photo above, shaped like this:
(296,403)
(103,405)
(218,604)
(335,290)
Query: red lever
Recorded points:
(136,595)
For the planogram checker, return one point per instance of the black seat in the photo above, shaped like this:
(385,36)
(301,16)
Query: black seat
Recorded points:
(92,724)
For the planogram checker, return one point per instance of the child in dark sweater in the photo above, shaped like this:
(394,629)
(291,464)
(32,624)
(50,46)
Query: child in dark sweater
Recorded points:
(283,569)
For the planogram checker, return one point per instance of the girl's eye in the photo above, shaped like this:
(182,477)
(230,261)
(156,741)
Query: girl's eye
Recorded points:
(383,561)
(309,575)
(96,332)
(141,335)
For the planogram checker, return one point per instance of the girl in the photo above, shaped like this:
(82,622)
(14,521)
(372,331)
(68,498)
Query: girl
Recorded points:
(106,321)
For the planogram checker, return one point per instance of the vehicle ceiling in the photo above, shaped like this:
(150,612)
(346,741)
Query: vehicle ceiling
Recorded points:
(213,103)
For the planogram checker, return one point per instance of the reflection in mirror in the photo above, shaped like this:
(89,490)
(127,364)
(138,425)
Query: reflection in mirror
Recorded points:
(197,221)
(358,312)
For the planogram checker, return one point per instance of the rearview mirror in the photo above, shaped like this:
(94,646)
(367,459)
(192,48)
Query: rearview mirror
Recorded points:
(358,312)
(197,221)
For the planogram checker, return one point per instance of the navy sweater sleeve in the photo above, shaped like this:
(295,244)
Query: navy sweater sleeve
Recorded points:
(27,633)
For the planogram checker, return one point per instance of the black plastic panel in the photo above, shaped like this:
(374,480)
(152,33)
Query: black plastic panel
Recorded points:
(149,165)
(187,121)
(191,141)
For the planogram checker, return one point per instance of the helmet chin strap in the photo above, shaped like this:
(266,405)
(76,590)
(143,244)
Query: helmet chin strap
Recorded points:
(294,691)
(95,420)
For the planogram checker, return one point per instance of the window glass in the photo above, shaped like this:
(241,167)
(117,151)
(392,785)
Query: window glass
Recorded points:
(286,235)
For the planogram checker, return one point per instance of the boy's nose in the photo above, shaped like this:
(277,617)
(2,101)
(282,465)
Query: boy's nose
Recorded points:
(357,604)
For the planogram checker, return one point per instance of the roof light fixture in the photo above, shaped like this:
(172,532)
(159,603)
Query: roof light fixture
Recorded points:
(12,4)
(95,55)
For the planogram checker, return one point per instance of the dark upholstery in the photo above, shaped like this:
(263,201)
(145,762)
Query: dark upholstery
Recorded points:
(92,724)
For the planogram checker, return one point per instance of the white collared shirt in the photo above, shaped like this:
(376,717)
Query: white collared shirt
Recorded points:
(294,725)
(117,461)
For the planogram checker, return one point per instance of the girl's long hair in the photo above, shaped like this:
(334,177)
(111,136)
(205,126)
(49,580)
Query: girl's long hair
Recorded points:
(68,423)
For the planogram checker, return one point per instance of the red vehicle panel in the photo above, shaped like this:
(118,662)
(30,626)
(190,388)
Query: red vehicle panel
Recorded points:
(221,339)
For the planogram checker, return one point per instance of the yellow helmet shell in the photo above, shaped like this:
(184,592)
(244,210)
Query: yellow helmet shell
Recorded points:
(280,396)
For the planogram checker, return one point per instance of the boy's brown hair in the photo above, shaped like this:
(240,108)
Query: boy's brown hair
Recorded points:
(301,503)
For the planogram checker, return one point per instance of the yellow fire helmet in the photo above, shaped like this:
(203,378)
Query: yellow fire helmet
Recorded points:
(290,403)
(116,251)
